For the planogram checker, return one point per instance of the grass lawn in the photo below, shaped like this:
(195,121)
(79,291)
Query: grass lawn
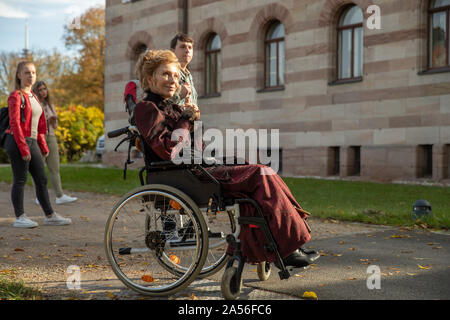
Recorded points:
(378,203)
(16,290)
(89,179)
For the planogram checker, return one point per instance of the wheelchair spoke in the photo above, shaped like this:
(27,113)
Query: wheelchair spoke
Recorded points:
(149,245)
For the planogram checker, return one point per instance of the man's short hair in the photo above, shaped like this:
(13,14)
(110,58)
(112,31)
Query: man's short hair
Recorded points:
(182,37)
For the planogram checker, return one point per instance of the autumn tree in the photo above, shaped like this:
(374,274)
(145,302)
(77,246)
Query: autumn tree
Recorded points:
(84,84)
(50,67)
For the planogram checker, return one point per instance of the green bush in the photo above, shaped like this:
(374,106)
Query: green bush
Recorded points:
(78,130)
(3,156)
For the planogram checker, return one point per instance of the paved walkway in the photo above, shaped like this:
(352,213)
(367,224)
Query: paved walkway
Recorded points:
(412,263)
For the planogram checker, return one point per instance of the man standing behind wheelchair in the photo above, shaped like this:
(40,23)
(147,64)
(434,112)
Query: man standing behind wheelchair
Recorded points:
(157,117)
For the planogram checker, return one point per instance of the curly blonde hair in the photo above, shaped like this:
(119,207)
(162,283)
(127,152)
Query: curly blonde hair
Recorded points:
(149,61)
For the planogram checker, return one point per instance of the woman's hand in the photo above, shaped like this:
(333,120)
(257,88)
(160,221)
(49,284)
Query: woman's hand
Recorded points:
(185,90)
(46,154)
(27,157)
(191,111)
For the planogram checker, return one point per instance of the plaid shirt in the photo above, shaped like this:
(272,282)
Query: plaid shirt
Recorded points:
(185,76)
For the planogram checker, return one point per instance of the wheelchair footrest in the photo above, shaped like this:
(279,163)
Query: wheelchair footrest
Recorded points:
(290,271)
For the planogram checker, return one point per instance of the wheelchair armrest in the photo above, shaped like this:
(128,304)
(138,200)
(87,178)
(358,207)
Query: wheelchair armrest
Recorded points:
(162,163)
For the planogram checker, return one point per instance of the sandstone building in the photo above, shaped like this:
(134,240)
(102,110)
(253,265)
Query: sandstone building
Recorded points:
(349,99)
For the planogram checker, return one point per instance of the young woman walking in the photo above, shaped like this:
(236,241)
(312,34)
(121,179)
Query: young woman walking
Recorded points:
(25,145)
(42,92)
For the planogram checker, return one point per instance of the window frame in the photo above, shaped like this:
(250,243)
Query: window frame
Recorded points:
(267,44)
(216,54)
(339,30)
(431,12)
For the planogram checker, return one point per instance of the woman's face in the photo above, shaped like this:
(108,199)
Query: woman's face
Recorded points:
(165,80)
(42,92)
(27,75)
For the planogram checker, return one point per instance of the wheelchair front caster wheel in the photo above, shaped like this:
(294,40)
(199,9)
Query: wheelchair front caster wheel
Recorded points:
(231,284)
(264,270)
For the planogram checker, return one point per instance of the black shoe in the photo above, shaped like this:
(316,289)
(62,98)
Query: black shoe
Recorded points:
(296,259)
(311,254)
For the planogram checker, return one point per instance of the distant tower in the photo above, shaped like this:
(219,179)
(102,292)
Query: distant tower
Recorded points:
(25,51)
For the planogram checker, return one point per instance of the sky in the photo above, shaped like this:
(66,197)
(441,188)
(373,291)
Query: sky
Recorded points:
(46,20)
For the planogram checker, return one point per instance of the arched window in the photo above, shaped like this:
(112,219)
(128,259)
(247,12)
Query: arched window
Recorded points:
(274,46)
(350,43)
(213,65)
(138,49)
(439,25)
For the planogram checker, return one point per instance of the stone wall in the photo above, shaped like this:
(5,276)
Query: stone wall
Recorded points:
(393,111)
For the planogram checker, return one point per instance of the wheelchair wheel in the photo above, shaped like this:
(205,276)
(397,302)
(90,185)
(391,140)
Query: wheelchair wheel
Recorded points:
(230,286)
(264,270)
(216,257)
(219,226)
(151,224)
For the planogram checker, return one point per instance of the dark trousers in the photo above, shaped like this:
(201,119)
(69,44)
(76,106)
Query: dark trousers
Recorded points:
(20,169)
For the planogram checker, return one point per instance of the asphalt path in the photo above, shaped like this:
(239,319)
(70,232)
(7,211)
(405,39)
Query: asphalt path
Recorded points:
(400,263)
(394,264)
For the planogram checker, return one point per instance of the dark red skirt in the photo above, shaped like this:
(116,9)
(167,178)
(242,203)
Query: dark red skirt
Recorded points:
(286,218)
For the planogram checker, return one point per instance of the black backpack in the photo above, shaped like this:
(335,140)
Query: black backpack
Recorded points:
(4,120)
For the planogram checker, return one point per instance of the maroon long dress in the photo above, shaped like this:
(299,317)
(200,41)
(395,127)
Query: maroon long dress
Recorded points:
(156,119)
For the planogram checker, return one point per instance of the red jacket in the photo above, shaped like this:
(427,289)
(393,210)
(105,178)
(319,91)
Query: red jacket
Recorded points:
(20,130)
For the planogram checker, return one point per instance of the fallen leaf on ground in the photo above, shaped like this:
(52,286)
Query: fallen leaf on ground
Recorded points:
(424,267)
(174,259)
(6,271)
(19,250)
(395,236)
(147,278)
(111,295)
(193,297)
(309,295)
(350,278)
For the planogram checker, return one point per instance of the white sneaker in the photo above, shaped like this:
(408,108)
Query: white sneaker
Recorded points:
(37,201)
(56,220)
(65,199)
(24,222)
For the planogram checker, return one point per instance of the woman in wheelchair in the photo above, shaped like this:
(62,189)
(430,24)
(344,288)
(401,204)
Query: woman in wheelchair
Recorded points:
(156,118)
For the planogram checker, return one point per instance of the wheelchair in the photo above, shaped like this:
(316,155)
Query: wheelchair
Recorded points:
(176,227)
